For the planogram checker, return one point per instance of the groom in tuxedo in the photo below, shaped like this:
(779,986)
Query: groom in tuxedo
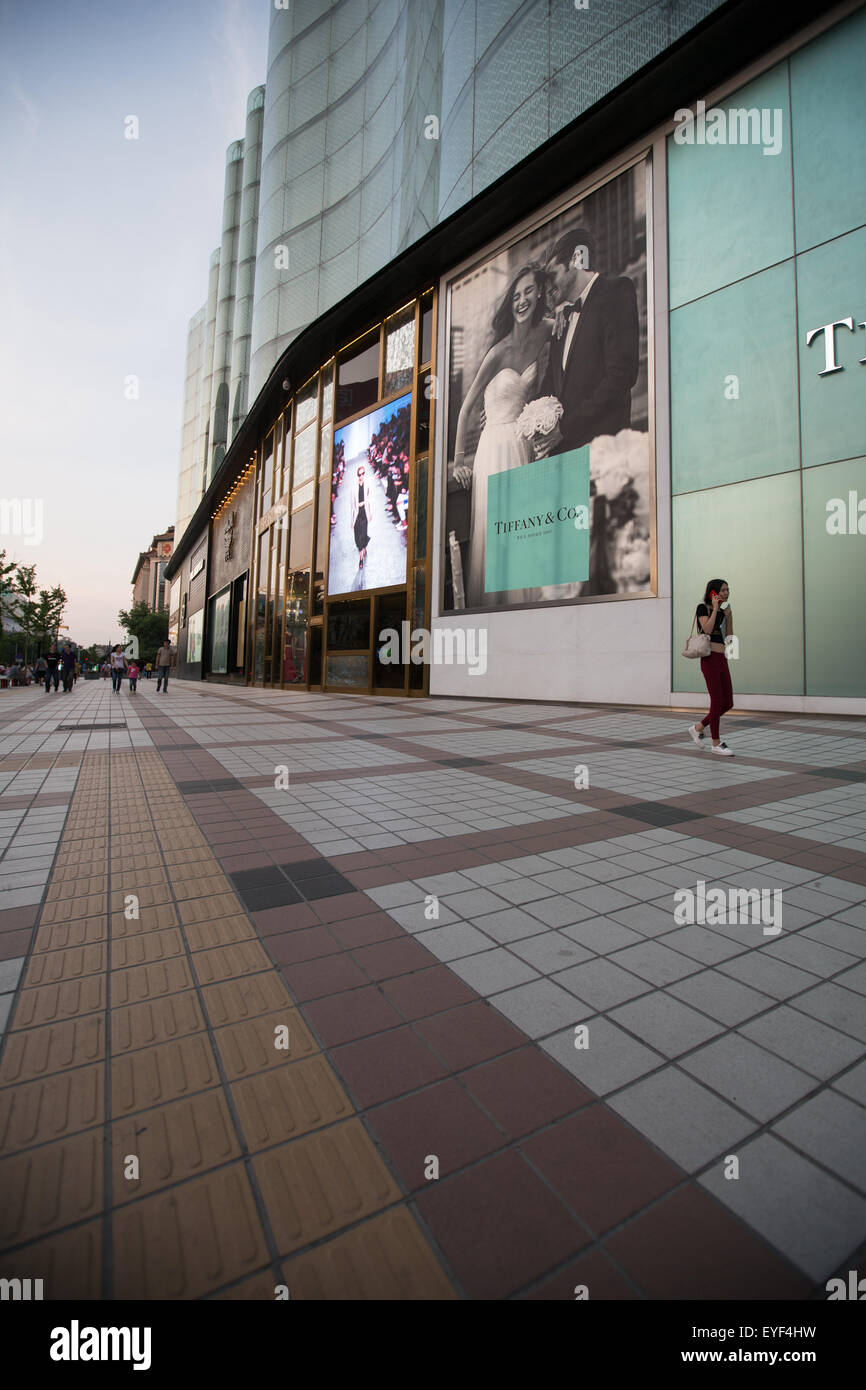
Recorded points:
(593,360)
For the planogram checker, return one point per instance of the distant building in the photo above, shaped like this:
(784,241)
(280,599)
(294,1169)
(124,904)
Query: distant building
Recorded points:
(148,580)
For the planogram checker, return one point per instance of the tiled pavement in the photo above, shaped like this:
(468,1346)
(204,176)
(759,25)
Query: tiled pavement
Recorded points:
(368,998)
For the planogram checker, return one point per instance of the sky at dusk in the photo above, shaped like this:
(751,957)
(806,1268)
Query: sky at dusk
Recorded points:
(105,247)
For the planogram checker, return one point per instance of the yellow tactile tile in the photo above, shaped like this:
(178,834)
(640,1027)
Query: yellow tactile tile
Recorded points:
(51,1108)
(289,1101)
(207,909)
(55,1003)
(250,1047)
(145,948)
(52,967)
(319,1184)
(132,880)
(148,895)
(142,982)
(68,908)
(189,1241)
(202,936)
(69,1263)
(62,936)
(386,1258)
(148,919)
(50,1187)
(42,1051)
(225,962)
(157,1021)
(171,1143)
(246,997)
(198,886)
(155,1075)
(66,885)
(188,857)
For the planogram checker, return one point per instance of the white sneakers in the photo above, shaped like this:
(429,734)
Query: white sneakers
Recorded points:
(721,749)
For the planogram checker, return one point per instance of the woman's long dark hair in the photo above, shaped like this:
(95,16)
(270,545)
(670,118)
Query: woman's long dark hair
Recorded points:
(503,319)
(713,584)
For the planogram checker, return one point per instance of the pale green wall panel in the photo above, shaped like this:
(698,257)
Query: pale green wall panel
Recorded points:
(724,431)
(828,110)
(729,206)
(835,580)
(750,535)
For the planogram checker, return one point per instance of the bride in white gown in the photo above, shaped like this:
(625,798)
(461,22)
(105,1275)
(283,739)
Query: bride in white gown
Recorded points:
(507,378)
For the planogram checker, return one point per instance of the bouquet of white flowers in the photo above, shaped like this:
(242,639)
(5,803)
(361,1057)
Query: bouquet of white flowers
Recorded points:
(538,417)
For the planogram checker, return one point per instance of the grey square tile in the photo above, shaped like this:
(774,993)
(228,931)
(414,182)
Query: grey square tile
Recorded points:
(5,1009)
(551,952)
(636,861)
(473,902)
(488,874)
(602,898)
(771,976)
(602,935)
(394,894)
(10,973)
(685,1120)
(601,983)
(511,924)
(853,1083)
(415,917)
(720,997)
(854,978)
(840,888)
(805,1042)
(563,880)
(611,1059)
(749,1076)
(445,883)
(523,890)
(493,971)
(601,872)
(527,864)
(794,1205)
(644,887)
(808,954)
(540,1008)
(701,944)
(855,916)
(667,1025)
(832,1130)
(451,942)
(656,963)
(841,935)
(840,1008)
(558,911)
(569,857)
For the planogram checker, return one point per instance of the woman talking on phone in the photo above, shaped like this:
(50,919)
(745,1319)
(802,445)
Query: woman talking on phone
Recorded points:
(717,622)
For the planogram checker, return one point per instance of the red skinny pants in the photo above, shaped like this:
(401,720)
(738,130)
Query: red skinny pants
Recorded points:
(717,674)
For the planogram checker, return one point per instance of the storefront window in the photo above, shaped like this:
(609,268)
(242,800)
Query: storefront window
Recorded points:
(268,475)
(261,606)
(306,403)
(219,632)
(426,328)
(349,626)
(295,647)
(358,376)
(399,350)
(328,391)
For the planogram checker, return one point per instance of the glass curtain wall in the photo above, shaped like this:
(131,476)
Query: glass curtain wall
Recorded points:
(311,627)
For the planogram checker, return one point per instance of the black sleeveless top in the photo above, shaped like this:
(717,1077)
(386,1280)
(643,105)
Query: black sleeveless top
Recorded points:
(718,632)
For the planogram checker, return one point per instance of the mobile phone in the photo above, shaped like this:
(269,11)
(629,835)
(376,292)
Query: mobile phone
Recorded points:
(713,595)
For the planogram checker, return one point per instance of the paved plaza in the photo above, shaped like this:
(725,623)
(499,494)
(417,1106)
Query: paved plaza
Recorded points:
(427,999)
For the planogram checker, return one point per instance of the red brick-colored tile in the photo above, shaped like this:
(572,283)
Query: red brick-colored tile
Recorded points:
(525,1090)
(499,1226)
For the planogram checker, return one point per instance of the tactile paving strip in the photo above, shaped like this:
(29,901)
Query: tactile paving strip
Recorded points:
(158,1139)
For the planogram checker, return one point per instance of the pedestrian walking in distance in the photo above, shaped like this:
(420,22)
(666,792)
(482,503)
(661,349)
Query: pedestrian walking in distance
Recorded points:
(718,623)
(53,672)
(118,666)
(164,662)
(133,674)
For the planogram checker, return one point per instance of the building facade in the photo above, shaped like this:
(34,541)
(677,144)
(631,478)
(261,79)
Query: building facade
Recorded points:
(398,510)
(148,579)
